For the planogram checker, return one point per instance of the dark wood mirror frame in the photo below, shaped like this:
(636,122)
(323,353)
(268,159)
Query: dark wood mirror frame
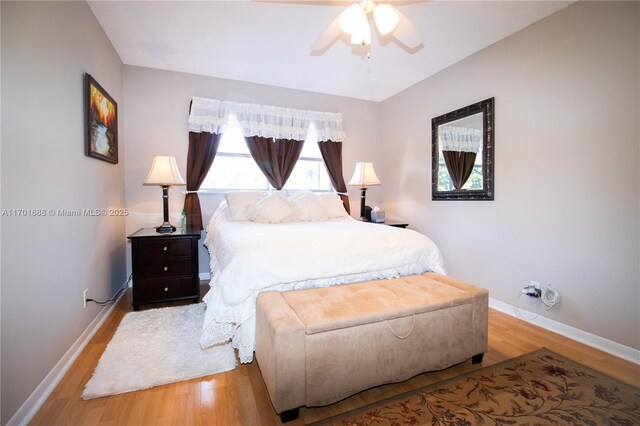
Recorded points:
(486,107)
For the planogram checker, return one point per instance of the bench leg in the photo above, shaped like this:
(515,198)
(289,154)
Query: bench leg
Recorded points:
(477,359)
(287,416)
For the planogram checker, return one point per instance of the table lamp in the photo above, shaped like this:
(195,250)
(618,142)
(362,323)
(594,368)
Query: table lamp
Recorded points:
(364,176)
(164,172)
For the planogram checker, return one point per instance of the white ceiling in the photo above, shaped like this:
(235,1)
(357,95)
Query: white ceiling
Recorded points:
(269,42)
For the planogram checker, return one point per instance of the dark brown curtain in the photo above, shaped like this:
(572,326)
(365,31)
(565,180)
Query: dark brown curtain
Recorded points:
(332,156)
(460,165)
(275,157)
(202,150)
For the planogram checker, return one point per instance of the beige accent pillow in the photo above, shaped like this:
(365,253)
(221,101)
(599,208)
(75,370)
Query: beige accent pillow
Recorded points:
(271,208)
(333,205)
(240,203)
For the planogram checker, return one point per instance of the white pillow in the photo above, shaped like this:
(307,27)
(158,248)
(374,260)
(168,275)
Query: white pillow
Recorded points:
(308,208)
(240,203)
(292,194)
(333,205)
(271,208)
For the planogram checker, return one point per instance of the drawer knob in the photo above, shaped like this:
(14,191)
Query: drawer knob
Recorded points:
(166,289)
(164,249)
(166,269)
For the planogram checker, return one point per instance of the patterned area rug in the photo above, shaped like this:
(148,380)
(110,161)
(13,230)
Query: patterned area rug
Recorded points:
(541,387)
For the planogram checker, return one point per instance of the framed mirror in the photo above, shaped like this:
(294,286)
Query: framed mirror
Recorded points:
(462,152)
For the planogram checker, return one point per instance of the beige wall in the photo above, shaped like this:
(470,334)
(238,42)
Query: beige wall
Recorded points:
(48,261)
(567,167)
(157,106)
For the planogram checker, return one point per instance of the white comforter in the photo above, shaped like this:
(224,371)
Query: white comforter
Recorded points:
(248,258)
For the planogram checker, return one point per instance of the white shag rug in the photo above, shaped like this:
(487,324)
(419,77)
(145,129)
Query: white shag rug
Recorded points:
(156,347)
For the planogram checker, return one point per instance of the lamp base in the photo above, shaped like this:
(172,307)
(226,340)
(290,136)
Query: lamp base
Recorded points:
(165,228)
(363,195)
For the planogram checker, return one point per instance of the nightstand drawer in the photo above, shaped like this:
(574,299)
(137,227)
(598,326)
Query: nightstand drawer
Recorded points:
(165,289)
(165,268)
(165,248)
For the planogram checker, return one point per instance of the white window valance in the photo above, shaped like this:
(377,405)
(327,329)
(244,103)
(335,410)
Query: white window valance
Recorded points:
(461,139)
(212,116)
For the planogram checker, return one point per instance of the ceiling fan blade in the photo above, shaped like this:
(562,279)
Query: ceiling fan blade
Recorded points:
(406,33)
(328,36)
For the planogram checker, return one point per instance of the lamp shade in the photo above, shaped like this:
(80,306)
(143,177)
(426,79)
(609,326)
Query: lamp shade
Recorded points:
(364,175)
(164,172)
(352,18)
(386,18)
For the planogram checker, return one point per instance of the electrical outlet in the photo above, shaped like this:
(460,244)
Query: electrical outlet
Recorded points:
(84,297)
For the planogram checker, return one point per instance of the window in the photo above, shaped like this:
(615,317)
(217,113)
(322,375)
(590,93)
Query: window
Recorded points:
(310,171)
(234,168)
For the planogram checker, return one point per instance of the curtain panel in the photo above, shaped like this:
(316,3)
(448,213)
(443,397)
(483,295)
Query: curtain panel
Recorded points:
(332,156)
(276,158)
(460,165)
(202,150)
(267,121)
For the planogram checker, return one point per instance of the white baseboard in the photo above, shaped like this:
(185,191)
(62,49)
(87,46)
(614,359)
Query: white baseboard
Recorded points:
(609,346)
(205,276)
(30,407)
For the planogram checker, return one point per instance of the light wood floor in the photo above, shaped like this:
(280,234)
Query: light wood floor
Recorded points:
(239,397)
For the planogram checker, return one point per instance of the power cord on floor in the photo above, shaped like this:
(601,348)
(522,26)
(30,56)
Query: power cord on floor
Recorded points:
(114,298)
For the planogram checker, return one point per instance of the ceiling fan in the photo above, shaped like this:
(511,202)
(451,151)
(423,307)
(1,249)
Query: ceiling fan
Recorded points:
(354,21)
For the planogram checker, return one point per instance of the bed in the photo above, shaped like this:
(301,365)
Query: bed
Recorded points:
(249,257)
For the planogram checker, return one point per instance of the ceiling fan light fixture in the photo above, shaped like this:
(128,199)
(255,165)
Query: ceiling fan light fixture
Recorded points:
(386,18)
(362,34)
(354,22)
(352,19)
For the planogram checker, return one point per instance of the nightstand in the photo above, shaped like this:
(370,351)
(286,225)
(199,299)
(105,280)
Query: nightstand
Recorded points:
(165,266)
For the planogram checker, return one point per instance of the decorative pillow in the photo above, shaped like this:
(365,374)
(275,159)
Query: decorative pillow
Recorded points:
(332,204)
(292,194)
(240,202)
(271,208)
(308,208)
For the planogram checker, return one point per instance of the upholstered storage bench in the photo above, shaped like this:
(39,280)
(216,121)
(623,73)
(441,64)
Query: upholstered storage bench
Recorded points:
(317,346)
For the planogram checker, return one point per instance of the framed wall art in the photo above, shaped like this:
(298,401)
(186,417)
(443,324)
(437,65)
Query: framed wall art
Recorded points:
(102,122)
